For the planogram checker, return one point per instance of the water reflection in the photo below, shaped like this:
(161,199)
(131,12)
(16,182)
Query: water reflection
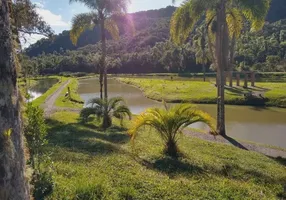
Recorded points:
(41,87)
(262,125)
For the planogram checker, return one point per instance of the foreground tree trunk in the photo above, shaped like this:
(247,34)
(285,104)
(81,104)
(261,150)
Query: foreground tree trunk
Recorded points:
(222,63)
(13,183)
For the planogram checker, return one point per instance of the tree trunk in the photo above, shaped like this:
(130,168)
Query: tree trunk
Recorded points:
(253,79)
(222,53)
(103,61)
(204,71)
(104,68)
(13,183)
(231,59)
(245,80)
(101,82)
(237,79)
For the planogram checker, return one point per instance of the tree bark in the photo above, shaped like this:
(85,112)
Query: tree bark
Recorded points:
(253,79)
(103,61)
(204,71)
(222,53)
(13,183)
(245,80)
(237,79)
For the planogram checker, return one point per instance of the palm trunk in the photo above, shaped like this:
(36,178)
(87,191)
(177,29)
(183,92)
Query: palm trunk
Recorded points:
(13,184)
(103,62)
(222,62)
(105,122)
(204,71)
(101,82)
(231,59)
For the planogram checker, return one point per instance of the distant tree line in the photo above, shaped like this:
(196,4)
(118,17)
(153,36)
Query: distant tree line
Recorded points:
(151,51)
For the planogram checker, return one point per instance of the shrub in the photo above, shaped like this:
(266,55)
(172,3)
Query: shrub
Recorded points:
(169,123)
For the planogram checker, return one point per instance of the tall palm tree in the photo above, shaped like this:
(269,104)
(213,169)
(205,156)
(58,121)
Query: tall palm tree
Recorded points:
(102,13)
(223,19)
(169,123)
(13,181)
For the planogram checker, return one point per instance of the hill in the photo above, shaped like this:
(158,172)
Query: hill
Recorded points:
(143,20)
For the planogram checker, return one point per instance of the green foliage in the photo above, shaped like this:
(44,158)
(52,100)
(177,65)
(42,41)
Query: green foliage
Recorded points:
(85,157)
(43,185)
(106,110)
(35,131)
(170,123)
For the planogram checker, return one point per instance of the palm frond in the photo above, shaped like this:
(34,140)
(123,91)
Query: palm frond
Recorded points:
(255,11)
(80,23)
(111,26)
(96,102)
(115,102)
(116,6)
(235,22)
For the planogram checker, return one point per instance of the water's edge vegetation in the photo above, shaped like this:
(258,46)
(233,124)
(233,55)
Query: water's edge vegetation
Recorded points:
(177,91)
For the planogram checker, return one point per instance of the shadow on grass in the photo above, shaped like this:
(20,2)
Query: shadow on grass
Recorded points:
(233,171)
(84,139)
(171,166)
(234,142)
(279,160)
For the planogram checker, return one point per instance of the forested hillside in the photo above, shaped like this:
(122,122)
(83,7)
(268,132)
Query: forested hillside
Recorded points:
(150,50)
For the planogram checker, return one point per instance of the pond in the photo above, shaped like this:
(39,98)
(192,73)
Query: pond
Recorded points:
(41,87)
(260,125)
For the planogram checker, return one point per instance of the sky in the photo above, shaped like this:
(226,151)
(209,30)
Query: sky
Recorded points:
(58,13)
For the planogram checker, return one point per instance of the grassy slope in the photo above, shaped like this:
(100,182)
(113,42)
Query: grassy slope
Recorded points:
(76,101)
(205,92)
(89,164)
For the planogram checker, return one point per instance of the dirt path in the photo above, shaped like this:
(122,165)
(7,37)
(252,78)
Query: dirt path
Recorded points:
(48,106)
(268,151)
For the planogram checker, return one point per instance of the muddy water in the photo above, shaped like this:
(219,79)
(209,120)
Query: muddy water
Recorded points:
(261,125)
(41,87)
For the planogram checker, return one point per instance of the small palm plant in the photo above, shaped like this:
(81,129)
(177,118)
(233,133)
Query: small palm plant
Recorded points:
(169,123)
(105,110)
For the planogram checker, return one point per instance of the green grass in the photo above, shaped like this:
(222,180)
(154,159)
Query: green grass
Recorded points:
(205,92)
(40,100)
(75,101)
(91,164)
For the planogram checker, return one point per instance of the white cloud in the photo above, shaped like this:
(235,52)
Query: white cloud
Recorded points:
(51,18)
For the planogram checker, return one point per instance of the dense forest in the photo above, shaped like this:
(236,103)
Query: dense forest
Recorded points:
(150,50)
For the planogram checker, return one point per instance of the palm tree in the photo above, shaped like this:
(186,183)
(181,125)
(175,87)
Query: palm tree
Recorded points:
(13,181)
(169,123)
(102,13)
(200,46)
(223,19)
(115,107)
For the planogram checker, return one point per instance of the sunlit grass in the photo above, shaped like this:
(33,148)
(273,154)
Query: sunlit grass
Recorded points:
(92,164)
(206,92)
(75,101)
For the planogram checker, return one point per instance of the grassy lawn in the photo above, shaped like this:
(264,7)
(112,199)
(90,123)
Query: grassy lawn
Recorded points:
(205,92)
(91,164)
(75,101)
(40,100)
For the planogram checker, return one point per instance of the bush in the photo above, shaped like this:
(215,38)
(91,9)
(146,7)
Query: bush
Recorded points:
(43,185)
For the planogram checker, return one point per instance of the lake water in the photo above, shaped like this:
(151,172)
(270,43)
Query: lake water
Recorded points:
(261,125)
(41,87)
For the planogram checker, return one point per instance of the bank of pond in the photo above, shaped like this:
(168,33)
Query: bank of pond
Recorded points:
(258,124)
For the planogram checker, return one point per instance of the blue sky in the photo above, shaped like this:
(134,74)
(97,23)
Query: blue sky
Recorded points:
(58,13)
